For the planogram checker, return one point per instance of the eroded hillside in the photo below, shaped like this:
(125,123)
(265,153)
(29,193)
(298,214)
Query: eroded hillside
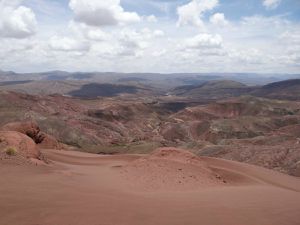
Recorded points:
(248,129)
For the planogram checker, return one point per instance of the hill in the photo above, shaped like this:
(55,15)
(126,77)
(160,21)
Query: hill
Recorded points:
(75,88)
(288,89)
(122,124)
(212,90)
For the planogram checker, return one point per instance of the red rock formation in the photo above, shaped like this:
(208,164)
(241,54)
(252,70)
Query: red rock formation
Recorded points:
(23,145)
(32,130)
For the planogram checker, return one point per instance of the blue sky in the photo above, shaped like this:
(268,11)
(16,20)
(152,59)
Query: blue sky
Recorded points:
(234,9)
(150,35)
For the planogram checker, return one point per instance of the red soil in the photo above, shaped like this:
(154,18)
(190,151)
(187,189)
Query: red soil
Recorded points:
(32,130)
(24,145)
(85,189)
(169,169)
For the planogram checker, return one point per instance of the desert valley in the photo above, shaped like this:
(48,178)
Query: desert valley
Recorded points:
(219,152)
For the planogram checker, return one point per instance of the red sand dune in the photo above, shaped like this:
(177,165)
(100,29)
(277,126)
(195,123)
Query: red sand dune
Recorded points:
(170,169)
(85,189)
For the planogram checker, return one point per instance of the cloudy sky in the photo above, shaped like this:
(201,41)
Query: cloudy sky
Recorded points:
(150,35)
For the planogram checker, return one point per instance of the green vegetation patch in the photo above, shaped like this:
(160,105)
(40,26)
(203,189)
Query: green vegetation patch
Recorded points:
(11,151)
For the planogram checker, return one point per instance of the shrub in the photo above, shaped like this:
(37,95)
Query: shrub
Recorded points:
(11,151)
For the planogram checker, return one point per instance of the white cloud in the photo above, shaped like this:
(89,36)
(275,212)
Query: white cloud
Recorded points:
(200,47)
(218,19)
(192,13)
(204,41)
(250,56)
(290,38)
(11,49)
(97,35)
(16,21)
(88,32)
(159,53)
(68,44)
(125,43)
(10,3)
(133,43)
(102,13)
(271,4)
(158,33)
(252,44)
(151,19)
(291,53)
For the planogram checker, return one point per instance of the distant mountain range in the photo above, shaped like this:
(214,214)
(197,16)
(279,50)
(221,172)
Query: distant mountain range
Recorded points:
(156,79)
(193,86)
(287,89)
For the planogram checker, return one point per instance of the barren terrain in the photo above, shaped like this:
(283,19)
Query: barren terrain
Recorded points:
(81,188)
(92,153)
(250,129)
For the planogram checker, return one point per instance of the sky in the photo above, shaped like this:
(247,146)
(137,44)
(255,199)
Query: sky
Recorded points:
(166,36)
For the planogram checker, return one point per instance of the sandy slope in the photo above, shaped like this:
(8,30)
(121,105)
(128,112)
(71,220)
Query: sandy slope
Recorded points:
(85,189)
